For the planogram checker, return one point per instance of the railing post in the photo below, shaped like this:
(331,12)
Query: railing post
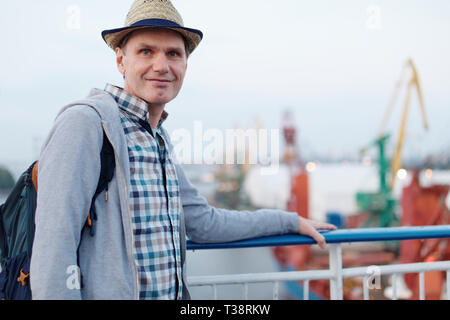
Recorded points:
(336,282)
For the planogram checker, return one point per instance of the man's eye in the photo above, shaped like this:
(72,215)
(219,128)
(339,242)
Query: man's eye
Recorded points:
(173,54)
(145,51)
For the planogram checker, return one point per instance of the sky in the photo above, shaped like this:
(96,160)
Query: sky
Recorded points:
(334,64)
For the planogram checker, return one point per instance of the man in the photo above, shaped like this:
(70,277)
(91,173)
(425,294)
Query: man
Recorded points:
(138,251)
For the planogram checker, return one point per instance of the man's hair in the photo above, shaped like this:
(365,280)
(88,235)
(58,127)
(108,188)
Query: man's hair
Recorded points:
(127,37)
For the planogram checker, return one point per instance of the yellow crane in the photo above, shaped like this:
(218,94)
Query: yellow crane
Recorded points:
(413,83)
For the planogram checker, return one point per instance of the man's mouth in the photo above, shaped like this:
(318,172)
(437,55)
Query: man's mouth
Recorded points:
(159,81)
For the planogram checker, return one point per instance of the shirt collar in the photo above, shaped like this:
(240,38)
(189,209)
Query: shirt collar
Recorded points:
(132,104)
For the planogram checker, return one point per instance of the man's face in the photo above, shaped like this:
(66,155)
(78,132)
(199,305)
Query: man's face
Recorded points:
(154,62)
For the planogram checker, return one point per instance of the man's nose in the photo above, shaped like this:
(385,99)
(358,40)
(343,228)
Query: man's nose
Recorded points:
(160,64)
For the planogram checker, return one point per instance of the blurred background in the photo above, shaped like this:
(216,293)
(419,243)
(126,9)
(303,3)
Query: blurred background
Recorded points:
(341,81)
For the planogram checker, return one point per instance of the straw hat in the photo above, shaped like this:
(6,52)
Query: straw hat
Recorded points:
(152,13)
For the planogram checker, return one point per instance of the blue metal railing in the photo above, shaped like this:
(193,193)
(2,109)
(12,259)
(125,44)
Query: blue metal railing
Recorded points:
(337,236)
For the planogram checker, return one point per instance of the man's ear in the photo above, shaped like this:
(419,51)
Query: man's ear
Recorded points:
(119,60)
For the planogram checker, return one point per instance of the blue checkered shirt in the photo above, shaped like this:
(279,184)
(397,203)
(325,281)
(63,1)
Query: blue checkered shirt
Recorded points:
(154,200)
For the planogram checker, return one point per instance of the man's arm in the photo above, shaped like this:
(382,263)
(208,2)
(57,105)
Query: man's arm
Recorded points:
(69,169)
(205,223)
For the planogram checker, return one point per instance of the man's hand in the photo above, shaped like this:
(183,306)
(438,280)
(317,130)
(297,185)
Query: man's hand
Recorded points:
(309,228)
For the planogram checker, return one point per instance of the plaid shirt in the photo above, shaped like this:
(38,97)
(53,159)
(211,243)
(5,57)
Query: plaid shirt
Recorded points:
(154,200)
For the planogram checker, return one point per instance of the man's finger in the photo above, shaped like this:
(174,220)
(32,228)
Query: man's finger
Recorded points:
(309,228)
(320,240)
(327,226)
(324,226)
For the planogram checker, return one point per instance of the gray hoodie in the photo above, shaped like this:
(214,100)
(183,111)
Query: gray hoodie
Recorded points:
(69,168)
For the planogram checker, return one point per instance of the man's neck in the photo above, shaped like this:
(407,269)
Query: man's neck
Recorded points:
(154,110)
(154,114)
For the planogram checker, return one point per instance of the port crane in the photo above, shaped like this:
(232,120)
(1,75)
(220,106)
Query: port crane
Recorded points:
(381,205)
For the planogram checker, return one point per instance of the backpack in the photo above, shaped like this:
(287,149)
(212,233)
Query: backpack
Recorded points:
(17,226)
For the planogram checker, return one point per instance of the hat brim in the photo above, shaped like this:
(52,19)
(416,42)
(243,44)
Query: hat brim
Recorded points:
(113,37)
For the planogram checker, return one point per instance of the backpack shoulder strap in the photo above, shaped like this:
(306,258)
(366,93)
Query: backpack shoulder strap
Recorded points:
(107,167)
(107,159)
(34,175)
